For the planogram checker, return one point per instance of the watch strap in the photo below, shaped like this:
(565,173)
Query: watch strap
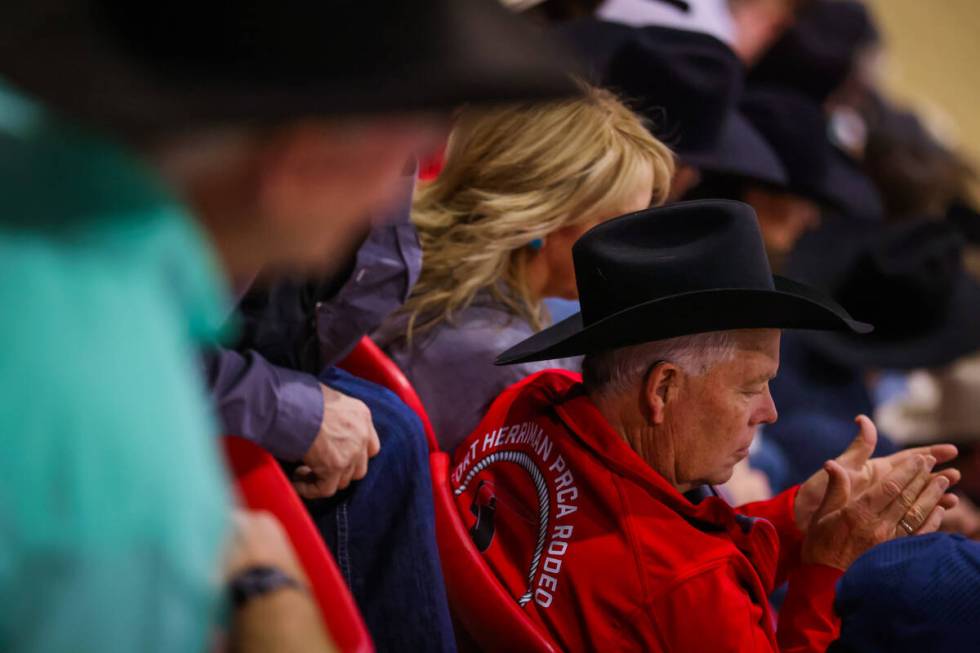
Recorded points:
(259,580)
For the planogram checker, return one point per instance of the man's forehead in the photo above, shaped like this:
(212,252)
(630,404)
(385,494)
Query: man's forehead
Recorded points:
(761,340)
(756,353)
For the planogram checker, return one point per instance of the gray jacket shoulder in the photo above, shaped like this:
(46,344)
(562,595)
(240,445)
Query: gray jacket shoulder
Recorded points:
(451,367)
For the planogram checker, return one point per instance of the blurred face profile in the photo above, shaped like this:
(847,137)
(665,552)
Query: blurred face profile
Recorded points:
(685,178)
(759,24)
(318,184)
(783,219)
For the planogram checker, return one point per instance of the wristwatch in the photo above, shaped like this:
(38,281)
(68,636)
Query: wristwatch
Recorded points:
(258,581)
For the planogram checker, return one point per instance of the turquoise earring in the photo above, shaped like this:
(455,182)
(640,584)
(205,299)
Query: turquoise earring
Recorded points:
(536,244)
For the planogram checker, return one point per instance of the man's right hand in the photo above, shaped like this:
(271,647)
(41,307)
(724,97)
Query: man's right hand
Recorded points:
(340,452)
(843,528)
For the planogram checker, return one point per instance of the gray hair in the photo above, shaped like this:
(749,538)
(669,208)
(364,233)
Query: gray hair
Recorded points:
(617,370)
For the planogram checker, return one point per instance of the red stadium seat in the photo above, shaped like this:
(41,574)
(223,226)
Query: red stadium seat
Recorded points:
(367,361)
(489,616)
(262,485)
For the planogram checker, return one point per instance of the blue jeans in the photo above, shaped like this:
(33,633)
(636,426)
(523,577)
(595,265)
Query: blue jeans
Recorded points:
(381,529)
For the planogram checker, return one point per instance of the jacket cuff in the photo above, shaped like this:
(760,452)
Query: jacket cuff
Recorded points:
(790,535)
(807,621)
(299,414)
(779,511)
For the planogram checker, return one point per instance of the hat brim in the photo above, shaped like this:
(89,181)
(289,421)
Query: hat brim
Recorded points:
(740,151)
(486,55)
(958,334)
(790,305)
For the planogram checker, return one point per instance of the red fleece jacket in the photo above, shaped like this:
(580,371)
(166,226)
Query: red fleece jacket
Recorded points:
(605,555)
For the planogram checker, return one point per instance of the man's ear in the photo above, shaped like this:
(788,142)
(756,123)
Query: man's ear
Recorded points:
(659,390)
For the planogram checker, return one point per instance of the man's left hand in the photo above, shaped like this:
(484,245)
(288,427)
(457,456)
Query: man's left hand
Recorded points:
(863,471)
(340,453)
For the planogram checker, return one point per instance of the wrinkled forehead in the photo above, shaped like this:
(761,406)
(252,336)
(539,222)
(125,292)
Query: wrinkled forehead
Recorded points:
(754,354)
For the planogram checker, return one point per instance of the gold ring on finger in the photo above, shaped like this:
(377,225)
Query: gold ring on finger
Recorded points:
(907,527)
(914,515)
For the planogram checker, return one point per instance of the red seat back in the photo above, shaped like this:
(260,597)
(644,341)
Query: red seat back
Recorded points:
(490,617)
(367,361)
(262,485)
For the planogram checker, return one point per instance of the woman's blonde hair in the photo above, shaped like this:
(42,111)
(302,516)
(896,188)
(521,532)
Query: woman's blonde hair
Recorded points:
(515,174)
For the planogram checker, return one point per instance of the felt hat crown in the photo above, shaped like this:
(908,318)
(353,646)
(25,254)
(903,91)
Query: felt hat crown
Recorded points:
(686,268)
(145,66)
(687,84)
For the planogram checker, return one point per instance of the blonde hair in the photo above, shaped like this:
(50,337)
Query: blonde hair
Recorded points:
(515,174)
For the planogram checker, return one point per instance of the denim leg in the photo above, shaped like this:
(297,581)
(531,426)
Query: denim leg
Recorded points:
(381,530)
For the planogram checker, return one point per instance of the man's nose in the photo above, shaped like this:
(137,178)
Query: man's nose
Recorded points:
(766,413)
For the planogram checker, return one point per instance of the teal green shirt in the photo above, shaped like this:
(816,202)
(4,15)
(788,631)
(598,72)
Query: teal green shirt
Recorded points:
(113,505)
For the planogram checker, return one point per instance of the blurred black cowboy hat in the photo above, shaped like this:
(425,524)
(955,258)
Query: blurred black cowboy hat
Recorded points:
(964,215)
(151,65)
(907,277)
(687,84)
(687,268)
(818,52)
(795,127)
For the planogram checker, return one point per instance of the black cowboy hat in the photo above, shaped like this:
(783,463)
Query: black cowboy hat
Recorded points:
(795,127)
(907,277)
(687,84)
(818,52)
(682,269)
(963,215)
(152,65)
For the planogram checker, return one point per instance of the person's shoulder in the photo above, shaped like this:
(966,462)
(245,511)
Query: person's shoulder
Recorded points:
(475,335)
(491,327)
(99,341)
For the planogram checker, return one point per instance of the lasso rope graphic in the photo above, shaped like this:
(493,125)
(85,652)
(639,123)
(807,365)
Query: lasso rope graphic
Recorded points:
(523,461)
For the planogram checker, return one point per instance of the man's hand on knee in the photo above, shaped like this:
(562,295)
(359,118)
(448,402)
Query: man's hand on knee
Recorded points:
(339,454)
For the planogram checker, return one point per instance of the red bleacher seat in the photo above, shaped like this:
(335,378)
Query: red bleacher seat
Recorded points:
(487,613)
(262,485)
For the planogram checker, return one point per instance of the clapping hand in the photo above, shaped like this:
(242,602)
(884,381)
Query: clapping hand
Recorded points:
(903,502)
(864,472)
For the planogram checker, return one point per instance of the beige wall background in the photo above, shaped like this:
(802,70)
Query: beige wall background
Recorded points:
(932,63)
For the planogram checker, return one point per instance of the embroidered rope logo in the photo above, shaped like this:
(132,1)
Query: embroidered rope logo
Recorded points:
(525,462)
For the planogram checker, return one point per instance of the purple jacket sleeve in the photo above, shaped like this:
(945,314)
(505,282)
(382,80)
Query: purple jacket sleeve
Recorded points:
(387,266)
(276,408)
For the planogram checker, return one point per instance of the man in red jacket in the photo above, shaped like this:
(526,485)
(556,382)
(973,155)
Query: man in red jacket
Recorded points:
(592,500)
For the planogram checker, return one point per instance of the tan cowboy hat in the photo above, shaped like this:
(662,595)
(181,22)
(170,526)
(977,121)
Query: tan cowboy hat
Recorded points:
(941,405)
